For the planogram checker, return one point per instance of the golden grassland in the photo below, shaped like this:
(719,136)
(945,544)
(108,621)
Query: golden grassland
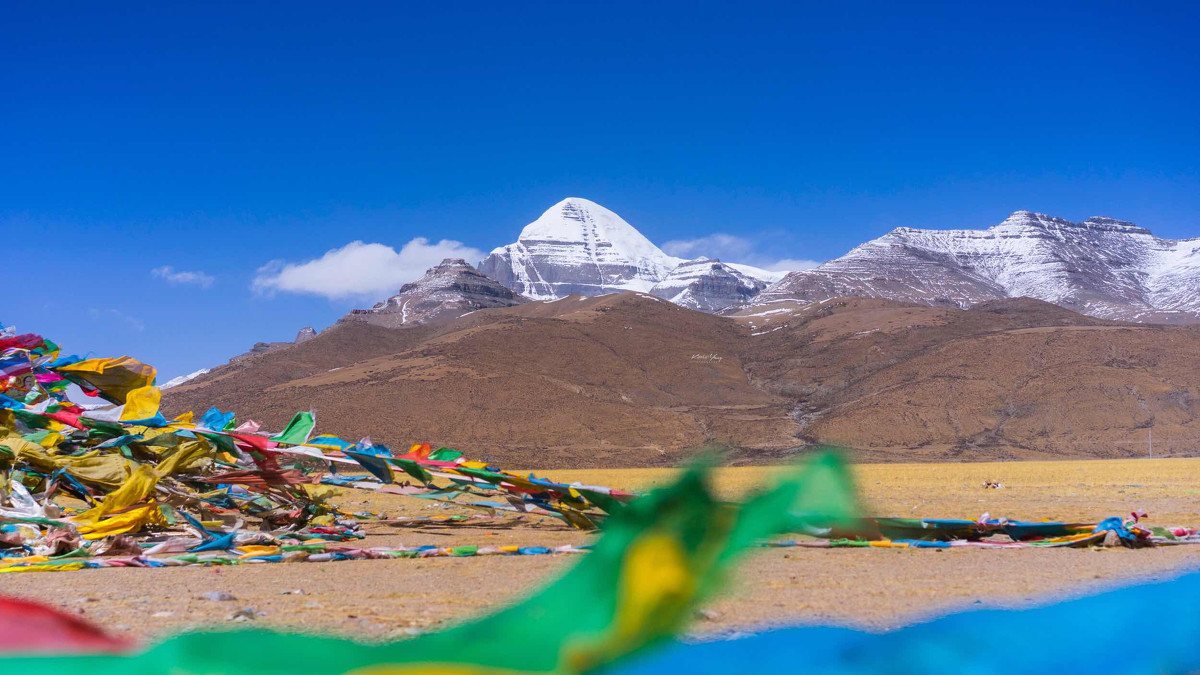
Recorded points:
(872,588)
(1169,489)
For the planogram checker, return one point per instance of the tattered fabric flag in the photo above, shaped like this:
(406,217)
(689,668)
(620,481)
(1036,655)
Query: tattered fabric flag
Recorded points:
(131,520)
(137,488)
(298,430)
(25,341)
(114,378)
(141,407)
(215,420)
(329,443)
(374,464)
(412,468)
(15,365)
(30,628)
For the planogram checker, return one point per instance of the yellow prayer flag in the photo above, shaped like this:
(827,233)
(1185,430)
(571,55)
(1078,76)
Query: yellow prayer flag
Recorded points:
(141,403)
(122,523)
(115,377)
(139,486)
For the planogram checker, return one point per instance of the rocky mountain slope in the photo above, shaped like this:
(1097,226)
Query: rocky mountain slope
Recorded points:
(1100,267)
(448,290)
(580,247)
(303,335)
(632,380)
(707,285)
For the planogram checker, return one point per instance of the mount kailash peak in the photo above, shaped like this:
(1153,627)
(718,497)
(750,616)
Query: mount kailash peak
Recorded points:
(580,247)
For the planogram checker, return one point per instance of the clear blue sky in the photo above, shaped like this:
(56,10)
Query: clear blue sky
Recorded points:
(214,139)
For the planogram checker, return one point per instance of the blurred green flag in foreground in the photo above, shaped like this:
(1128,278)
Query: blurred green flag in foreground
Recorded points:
(656,559)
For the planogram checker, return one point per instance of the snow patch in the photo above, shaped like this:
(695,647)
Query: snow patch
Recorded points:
(176,381)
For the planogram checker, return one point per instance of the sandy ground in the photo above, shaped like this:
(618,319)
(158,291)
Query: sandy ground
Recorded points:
(871,588)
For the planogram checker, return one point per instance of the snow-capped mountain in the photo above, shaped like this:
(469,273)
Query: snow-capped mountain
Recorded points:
(707,285)
(580,247)
(448,290)
(1101,267)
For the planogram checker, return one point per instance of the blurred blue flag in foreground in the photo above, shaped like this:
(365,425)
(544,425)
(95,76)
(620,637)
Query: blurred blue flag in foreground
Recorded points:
(1150,628)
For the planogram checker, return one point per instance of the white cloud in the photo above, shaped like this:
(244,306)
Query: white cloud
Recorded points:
(789,265)
(177,277)
(359,269)
(110,315)
(711,245)
(734,249)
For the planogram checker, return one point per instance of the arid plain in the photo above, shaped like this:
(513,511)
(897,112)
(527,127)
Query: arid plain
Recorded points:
(870,588)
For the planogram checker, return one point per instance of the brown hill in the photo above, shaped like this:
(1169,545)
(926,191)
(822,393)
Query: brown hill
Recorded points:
(615,380)
(1007,379)
(629,380)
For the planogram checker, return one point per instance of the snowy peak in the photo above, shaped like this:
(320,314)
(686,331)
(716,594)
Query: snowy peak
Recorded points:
(707,285)
(1030,219)
(579,247)
(1114,225)
(577,221)
(1102,267)
(448,290)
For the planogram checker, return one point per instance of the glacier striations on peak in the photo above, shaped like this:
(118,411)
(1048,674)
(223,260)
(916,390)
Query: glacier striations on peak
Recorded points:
(578,247)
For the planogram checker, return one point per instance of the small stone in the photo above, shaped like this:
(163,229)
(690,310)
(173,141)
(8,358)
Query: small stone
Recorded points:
(293,591)
(707,615)
(247,614)
(217,596)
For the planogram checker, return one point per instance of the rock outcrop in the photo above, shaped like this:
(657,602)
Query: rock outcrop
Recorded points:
(449,290)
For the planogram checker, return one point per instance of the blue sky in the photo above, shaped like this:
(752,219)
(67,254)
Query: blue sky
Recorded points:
(213,139)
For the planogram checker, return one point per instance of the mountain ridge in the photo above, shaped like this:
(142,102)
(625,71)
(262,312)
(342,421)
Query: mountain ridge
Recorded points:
(1101,267)
(707,285)
(632,380)
(447,290)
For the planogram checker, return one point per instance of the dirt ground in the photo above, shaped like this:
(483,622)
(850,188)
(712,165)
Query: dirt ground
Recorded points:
(871,588)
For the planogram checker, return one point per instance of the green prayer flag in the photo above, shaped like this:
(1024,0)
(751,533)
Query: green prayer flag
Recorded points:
(298,430)
(412,468)
(444,455)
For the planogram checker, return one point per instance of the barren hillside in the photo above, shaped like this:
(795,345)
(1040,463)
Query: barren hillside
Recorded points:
(630,380)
